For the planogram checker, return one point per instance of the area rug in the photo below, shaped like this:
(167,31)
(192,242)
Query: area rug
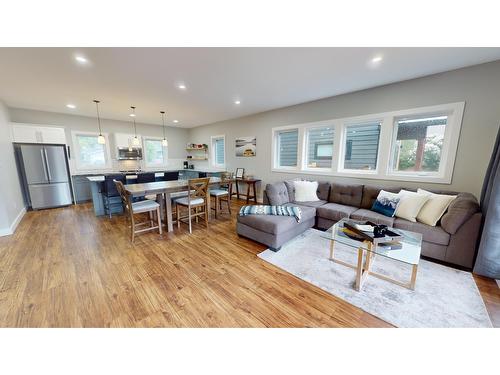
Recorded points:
(443,297)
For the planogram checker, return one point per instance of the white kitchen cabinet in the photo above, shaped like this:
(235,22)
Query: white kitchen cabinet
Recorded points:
(38,134)
(126,140)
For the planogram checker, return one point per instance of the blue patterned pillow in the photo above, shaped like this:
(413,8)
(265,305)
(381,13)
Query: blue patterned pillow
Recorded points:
(386,203)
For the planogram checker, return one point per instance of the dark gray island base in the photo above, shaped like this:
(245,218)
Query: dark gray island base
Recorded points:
(89,187)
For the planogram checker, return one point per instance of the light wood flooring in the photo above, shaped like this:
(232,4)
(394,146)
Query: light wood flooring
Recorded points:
(67,268)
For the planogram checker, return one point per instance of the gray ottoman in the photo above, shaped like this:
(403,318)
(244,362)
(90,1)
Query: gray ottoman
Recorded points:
(274,231)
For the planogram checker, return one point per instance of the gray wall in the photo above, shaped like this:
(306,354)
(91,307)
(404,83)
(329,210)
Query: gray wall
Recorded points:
(478,86)
(11,199)
(178,137)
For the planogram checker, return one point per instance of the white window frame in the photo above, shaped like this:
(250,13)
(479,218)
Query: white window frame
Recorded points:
(76,152)
(213,157)
(387,136)
(165,153)
(275,155)
(305,146)
(343,149)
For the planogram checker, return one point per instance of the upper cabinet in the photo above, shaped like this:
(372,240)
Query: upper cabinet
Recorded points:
(126,140)
(38,134)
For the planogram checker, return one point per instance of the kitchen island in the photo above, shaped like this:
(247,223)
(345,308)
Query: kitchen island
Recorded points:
(93,185)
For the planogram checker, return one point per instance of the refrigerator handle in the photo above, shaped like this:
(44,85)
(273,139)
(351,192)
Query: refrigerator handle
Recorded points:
(42,155)
(47,163)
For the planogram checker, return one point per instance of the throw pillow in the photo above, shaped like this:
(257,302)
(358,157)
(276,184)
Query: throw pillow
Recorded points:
(434,208)
(305,191)
(410,205)
(386,203)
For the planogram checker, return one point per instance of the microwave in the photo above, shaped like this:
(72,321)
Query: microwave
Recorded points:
(125,153)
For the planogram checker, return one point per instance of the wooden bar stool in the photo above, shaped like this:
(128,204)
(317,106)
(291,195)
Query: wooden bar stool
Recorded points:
(196,200)
(223,193)
(144,206)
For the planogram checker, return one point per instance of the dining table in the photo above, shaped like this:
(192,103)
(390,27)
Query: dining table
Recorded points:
(163,191)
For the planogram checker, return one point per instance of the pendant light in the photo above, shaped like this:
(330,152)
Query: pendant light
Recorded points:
(164,141)
(135,140)
(100,139)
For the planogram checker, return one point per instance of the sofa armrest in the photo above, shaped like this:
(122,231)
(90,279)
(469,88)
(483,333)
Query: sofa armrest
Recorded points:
(460,210)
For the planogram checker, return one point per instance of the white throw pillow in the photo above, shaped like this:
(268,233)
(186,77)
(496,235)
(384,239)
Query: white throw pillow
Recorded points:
(434,208)
(410,204)
(305,191)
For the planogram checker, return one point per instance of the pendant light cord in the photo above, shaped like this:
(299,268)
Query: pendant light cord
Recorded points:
(133,117)
(163,121)
(98,117)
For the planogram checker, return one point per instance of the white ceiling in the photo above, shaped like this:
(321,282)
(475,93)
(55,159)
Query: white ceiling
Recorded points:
(262,78)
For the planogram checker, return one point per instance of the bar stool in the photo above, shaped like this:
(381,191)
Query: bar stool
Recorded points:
(196,199)
(132,208)
(110,194)
(223,193)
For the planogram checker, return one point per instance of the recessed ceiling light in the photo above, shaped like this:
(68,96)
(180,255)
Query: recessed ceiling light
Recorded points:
(237,102)
(72,106)
(81,59)
(377,59)
(175,121)
(132,115)
(181,86)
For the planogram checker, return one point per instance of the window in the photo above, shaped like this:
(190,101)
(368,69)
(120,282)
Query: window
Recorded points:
(418,144)
(288,141)
(89,154)
(155,154)
(219,151)
(319,147)
(361,146)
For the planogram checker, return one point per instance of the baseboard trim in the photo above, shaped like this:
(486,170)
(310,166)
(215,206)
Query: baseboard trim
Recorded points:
(13,226)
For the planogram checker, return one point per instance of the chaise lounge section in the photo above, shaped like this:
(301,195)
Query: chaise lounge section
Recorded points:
(452,240)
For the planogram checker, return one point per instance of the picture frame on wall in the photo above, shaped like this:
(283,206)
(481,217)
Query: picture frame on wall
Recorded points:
(240,172)
(246,146)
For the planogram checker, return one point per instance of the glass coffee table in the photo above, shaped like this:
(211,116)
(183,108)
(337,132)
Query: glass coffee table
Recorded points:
(406,252)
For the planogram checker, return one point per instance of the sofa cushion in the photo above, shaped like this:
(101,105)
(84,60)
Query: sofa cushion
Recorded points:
(305,191)
(323,189)
(429,234)
(311,204)
(410,204)
(372,216)
(346,194)
(386,203)
(277,194)
(370,194)
(335,211)
(459,211)
(290,185)
(434,208)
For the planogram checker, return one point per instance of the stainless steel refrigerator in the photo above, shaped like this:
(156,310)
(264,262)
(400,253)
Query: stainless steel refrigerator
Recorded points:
(45,175)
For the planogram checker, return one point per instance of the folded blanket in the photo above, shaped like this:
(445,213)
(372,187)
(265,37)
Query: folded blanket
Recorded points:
(272,210)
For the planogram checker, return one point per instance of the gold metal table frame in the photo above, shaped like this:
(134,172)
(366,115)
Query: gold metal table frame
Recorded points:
(363,267)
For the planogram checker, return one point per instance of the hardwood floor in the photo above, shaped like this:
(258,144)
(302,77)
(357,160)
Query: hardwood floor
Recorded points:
(66,268)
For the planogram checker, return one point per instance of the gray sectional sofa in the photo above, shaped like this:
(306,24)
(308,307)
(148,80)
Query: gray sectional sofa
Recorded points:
(453,240)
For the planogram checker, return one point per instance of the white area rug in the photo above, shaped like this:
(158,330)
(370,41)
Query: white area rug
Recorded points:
(443,297)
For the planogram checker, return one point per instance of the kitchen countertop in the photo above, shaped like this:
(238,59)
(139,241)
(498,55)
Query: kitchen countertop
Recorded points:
(133,175)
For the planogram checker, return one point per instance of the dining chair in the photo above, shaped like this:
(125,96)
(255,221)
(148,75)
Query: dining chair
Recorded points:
(131,208)
(196,200)
(110,194)
(223,193)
